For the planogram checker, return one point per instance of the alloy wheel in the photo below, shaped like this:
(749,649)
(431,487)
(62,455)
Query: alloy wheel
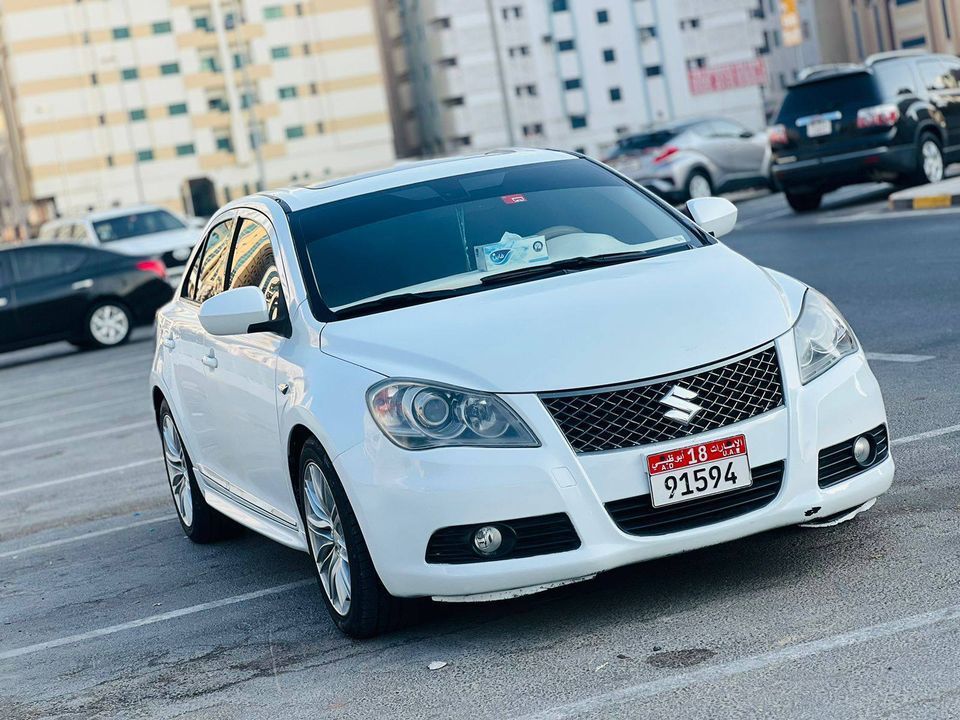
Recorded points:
(176,462)
(109,325)
(327,543)
(932,161)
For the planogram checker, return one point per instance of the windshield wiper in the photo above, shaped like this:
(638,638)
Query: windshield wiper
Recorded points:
(562,267)
(395,302)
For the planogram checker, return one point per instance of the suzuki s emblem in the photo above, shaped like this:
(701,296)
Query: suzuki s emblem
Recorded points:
(680,400)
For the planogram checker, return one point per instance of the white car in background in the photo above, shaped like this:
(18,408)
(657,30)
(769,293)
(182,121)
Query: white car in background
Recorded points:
(143,231)
(478,378)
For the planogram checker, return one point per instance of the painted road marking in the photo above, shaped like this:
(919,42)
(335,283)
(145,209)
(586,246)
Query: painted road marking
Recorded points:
(712,674)
(151,620)
(85,536)
(73,438)
(75,478)
(72,410)
(899,357)
(926,435)
(33,397)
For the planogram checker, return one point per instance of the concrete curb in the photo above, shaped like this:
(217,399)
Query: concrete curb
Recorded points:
(939,195)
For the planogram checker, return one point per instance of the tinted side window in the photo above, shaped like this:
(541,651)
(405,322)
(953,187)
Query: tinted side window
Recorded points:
(935,75)
(39,263)
(6,274)
(211,264)
(896,78)
(725,129)
(253,265)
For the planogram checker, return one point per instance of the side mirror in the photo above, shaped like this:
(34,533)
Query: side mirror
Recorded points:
(717,216)
(234,312)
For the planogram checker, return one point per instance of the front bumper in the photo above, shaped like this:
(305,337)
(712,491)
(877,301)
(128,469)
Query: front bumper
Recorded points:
(402,497)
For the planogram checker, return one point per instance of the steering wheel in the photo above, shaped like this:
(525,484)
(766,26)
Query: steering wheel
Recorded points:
(558,230)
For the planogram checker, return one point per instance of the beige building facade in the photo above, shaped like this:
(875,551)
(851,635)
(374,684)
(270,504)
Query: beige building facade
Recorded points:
(872,26)
(189,103)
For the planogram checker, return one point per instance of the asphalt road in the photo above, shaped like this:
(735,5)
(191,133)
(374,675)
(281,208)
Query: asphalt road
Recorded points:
(107,611)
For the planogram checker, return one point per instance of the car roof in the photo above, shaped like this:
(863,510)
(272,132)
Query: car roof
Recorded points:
(120,212)
(408,173)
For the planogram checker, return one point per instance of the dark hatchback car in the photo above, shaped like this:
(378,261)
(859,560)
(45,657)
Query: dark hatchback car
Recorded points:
(90,297)
(896,118)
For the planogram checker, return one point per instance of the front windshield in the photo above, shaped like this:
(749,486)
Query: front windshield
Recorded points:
(136,224)
(452,233)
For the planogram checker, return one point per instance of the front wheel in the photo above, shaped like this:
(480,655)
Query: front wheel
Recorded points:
(351,590)
(804,202)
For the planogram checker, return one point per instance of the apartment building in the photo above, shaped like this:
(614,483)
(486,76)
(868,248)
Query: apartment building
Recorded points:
(477,74)
(189,103)
(876,26)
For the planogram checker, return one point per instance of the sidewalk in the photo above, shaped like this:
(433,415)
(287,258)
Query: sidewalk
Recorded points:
(925,197)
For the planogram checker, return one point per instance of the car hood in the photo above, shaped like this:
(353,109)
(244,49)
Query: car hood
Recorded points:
(155,243)
(597,327)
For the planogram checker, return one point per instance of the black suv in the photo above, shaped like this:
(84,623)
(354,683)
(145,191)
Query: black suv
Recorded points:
(896,118)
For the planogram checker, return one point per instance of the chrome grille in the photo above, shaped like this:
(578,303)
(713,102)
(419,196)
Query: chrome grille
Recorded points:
(628,416)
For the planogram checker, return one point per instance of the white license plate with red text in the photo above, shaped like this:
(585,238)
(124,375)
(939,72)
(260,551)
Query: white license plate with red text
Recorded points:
(698,471)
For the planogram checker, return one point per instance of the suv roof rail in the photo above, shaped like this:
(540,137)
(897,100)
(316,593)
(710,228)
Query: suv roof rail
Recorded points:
(893,55)
(813,71)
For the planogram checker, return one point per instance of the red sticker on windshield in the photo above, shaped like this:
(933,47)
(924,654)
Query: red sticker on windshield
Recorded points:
(513,199)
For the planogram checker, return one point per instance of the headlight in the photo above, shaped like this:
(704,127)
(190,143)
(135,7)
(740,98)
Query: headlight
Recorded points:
(417,416)
(822,336)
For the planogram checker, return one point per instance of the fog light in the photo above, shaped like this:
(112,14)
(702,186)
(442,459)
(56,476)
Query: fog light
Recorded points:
(487,540)
(862,450)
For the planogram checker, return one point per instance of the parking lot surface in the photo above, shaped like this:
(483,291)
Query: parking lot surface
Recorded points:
(107,611)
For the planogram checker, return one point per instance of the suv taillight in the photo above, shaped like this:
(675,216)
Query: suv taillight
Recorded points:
(878,116)
(778,135)
(153,266)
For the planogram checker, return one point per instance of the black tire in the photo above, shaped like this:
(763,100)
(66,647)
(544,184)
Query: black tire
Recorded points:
(91,338)
(697,176)
(920,175)
(372,610)
(804,202)
(204,524)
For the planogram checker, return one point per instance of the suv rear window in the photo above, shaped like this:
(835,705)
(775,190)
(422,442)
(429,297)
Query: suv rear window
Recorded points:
(839,92)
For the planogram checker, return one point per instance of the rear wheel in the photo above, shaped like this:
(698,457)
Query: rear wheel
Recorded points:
(200,522)
(108,324)
(699,185)
(930,165)
(804,202)
(355,598)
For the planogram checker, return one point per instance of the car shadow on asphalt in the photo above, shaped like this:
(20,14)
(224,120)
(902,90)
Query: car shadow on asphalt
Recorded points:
(56,351)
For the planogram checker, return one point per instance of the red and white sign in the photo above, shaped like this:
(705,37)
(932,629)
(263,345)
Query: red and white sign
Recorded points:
(697,454)
(513,199)
(727,77)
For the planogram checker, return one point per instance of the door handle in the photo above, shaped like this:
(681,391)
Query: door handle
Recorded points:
(210,360)
(169,343)
(82,284)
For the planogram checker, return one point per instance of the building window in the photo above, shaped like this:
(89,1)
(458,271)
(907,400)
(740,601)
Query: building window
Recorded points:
(648,32)
(202,22)
(443,23)
(273,12)
(462,141)
(534,129)
(218,104)
(452,61)
(453,101)
(560,5)
(578,121)
(129,74)
(210,64)
(609,55)
(94,79)
(121,33)
(286,93)
(572,84)
(177,109)
(248,99)
(161,28)
(144,155)
(295,131)
(690,23)
(603,17)
(696,63)
(187,149)
(566,45)
(616,95)
(278,53)
(653,70)
(138,114)
(918,41)
(321,129)
(224,143)
(529,90)
(170,69)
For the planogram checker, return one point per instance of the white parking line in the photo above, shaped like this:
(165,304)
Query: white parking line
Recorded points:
(85,536)
(712,674)
(34,396)
(747,222)
(72,410)
(949,430)
(74,438)
(75,478)
(151,620)
(899,357)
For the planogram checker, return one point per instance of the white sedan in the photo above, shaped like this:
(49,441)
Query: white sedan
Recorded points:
(478,378)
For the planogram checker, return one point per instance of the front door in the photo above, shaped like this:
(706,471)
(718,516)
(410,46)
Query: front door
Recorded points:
(9,332)
(252,451)
(941,78)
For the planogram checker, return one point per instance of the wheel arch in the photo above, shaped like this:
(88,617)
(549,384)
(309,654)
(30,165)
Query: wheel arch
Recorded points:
(158,397)
(929,127)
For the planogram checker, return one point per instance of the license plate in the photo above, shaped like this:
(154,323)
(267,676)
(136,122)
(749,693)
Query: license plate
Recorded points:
(699,471)
(819,128)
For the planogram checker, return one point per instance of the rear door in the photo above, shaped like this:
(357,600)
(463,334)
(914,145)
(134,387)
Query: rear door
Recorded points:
(941,81)
(50,286)
(9,330)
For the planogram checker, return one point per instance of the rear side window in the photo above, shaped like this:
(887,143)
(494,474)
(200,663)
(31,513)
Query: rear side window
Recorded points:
(896,78)
(206,277)
(839,92)
(253,265)
(42,263)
